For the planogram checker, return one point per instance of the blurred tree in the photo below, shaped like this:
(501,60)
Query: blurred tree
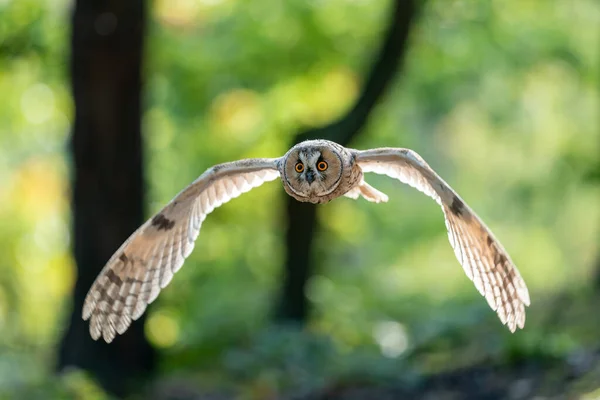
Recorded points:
(593,175)
(302,217)
(107,43)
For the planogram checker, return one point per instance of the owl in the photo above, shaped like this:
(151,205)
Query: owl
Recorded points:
(315,171)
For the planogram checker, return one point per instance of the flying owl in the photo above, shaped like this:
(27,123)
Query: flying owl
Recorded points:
(315,171)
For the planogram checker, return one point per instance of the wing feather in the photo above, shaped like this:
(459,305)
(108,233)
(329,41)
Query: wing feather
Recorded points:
(481,255)
(149,258)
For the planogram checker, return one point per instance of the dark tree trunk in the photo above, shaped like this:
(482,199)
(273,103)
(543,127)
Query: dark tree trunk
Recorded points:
(106,56)
(302,217)
(593,176)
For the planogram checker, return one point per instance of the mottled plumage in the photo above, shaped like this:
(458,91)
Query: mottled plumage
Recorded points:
(314,171)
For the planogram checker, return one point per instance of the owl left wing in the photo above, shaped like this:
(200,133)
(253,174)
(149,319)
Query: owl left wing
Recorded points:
(481,255)
(146,262)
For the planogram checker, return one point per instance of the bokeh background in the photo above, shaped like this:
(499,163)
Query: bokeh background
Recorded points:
(502,98)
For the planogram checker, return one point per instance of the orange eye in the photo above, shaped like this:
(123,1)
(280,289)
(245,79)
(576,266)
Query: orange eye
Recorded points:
(299,167)
(322,166)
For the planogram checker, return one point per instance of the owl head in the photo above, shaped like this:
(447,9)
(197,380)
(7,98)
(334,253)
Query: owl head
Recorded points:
(312,170)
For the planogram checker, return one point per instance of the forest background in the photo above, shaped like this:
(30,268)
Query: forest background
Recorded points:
(502,98)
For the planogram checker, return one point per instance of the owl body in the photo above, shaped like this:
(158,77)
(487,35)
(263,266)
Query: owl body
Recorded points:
(315,171)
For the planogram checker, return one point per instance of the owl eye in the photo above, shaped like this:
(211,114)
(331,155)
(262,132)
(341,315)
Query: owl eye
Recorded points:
(322,166)
(299,167)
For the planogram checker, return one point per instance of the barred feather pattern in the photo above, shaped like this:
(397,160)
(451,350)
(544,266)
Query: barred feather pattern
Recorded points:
(147,261)
(481,255)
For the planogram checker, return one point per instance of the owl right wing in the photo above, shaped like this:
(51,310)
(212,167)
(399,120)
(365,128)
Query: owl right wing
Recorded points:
(146,262)
(481,255)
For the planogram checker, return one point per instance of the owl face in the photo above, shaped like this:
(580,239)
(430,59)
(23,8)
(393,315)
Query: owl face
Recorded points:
(312,171)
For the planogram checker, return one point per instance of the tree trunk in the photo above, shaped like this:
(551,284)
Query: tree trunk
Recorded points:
(302,217)
(106,56)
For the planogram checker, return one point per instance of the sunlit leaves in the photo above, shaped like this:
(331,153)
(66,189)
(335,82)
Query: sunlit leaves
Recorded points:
(237,114)
(500,96)
(162,329)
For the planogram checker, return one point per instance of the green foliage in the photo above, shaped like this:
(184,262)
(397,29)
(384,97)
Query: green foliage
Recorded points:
(500,97)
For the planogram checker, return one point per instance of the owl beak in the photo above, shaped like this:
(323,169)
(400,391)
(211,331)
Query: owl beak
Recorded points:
(310,176)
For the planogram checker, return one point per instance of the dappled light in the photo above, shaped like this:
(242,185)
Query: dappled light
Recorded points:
(502,98)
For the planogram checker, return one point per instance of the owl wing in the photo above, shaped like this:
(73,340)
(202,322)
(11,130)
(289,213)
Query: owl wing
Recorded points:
(481,255)
(146,262)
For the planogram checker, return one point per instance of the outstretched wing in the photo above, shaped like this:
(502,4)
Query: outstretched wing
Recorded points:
(481,255)
(146,262)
